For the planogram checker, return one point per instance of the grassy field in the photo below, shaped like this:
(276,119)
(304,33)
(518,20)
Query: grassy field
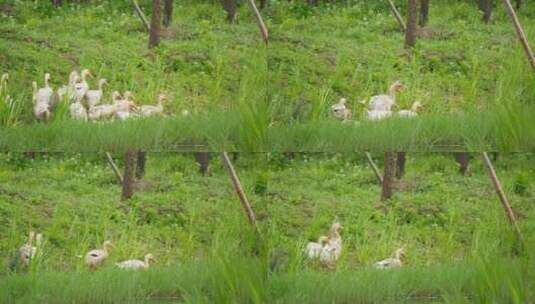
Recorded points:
(316,56)
(460,248)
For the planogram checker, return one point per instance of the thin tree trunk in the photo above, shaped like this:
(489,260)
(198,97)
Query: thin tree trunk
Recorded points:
(388,176)
(401,159)
(203,159)
(259,21)
(167,12)
(239,190)
(396,13)
(424,12)
(499,190)
(312,2)
(114,168)
(154,37)
(520,33)
(463,159)
(374,168)
(141,161)
(231,8)
(412,26)
(128,176)
(486,7)
(141,15)
(264,4)
(518,4)
(56,3)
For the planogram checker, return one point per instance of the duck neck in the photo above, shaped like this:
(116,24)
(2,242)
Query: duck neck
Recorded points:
(147,261)
(392,93)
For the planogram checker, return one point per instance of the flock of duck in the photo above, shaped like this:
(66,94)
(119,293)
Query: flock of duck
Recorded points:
(93,259)
(329,248)
(379,106)
(86,103)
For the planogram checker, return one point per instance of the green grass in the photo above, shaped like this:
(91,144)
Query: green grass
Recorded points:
(316,55)
(460,248)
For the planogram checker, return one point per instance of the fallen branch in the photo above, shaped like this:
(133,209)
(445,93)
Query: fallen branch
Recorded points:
(239,190)
(520,33)
(374,168)
(141,15)
(114,168)
(499,190)
(396,13)
(259,21)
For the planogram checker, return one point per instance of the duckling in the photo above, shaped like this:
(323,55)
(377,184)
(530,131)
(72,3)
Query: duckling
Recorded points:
(27,251)
(375,115)
(413,112)
(95,257)
(340,111)
(78,111)
(393,262)
(313,249)
(332,250)
(136,264)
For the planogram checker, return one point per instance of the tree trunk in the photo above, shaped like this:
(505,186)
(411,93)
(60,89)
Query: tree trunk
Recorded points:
(518,4)
(486,7)
(264,3)
(56,3)
(141,15)
(463,159)
(167,12)
(128,176)
(424,12)
(141,161)
(154,37)
(412,20)
(401,159)
(203,159)
(388,176)
(232,9)
(312,2)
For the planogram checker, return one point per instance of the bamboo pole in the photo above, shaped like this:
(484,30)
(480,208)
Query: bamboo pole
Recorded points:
(114,168)
(239,190)
(396,13)
(374,168)
(259,21)
(499,190)
(520,33)
(141,15)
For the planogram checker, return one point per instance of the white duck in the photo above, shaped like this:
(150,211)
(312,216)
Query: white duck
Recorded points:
(123,106)
(385,102)
(413,112)
(27,251)
(313,249)
(3,82)
(148,111)
(81,88)
(41,108)
(105,111)
(45,94)
(375,115)
(340,111)
(332,250)
(78,111)
(69,89)
(393,262)
(95,257)
(94,96)
(136,264)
